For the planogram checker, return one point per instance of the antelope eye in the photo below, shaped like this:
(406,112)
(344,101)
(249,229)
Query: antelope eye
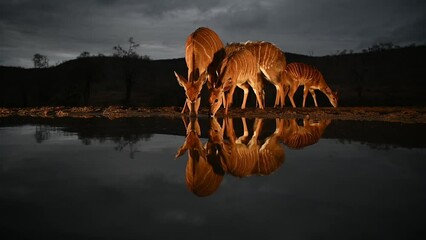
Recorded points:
(216,100)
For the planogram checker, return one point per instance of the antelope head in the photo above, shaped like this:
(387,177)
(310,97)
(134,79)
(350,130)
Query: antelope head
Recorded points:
(216,131)
(332,97)
(217,92)
(216,150)
(216,99)
(192,91)
(192,140)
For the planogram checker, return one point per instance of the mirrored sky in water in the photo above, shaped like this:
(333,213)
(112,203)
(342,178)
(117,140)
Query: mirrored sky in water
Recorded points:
(64,186)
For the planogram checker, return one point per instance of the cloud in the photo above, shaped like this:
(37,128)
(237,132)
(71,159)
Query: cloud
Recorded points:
(323,26)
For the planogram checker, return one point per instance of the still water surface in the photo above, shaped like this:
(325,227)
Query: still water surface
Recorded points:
(121,179)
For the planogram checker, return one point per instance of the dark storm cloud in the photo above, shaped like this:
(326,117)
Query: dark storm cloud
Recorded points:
(332,25)
(63,30)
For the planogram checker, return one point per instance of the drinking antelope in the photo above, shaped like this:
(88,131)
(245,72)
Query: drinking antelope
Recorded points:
(297,74)
(203,52)
(241,69)
(271,61)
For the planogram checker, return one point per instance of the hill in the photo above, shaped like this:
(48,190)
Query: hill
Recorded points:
(384,78)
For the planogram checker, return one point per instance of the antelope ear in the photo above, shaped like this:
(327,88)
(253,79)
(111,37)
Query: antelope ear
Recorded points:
(209,85)
(181,150)
(181,80)
(215,83)
(204,77)
(221,85)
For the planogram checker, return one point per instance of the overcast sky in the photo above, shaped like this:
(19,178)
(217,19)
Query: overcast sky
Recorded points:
(61,30)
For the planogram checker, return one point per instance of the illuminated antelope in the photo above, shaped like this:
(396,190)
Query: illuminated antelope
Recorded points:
(271,61)
(203,168)
(203,52)
(297,74)
(296,137)
(240,69)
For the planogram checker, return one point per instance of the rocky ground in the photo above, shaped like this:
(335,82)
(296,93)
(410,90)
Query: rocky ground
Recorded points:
(387,114)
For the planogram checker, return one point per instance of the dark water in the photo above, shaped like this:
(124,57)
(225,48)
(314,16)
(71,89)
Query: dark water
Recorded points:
(119,179)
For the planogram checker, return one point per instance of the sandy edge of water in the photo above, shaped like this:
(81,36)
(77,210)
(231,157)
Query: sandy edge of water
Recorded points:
(387,114)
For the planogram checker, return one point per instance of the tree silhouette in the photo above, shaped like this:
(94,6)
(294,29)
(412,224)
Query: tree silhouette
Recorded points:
(380,47)
(130,52)
(84,54)
(130,57)
(40,61)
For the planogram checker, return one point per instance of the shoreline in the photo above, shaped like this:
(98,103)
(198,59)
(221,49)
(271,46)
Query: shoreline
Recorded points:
(386,114)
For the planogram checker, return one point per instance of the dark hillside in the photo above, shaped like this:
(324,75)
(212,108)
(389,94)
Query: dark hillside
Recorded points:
(385,78)
(93,81)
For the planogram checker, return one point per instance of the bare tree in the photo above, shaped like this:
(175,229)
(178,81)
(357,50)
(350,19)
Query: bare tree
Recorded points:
(130,57)
(130,52)
(130,66)
(40,61)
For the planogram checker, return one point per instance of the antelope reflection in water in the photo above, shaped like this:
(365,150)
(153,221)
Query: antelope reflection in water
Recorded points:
(296,136)
(241,156)
(203,168)
(245,156)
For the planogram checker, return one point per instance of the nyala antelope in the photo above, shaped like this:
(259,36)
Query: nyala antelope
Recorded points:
(203,52)
(271,61)
(297,74)
(241,69)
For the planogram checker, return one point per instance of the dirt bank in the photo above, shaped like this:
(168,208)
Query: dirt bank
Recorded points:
(388,114)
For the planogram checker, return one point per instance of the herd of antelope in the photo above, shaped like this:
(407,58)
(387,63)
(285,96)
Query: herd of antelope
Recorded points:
(243,65)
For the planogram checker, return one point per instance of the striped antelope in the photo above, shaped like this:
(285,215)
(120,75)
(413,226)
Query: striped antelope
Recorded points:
(272,63)
(297,74)
(240,69)
(203,52)
(203,177)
